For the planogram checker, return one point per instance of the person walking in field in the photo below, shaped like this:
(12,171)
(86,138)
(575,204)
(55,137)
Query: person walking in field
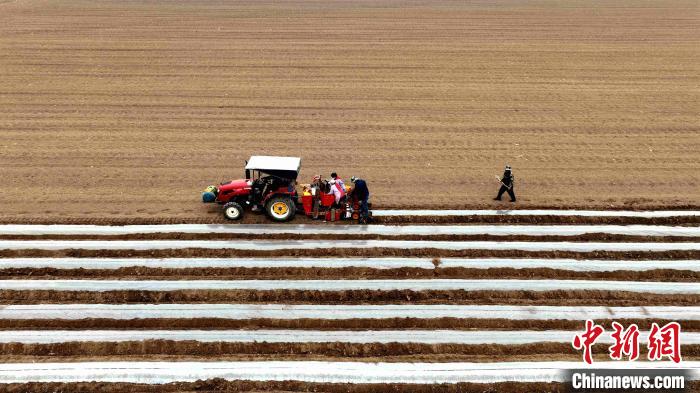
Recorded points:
(507,182)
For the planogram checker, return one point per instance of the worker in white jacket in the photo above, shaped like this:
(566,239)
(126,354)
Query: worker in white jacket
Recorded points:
(338,193)
(338,181)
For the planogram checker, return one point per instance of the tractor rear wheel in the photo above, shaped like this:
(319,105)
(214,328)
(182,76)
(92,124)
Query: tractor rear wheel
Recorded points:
(280,208)
(233,211)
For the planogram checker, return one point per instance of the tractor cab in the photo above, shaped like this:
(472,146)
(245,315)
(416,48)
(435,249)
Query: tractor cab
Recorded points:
(272,176)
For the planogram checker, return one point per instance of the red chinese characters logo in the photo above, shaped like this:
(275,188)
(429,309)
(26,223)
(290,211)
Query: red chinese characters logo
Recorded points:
(663,342)
(587,339)
(626,342)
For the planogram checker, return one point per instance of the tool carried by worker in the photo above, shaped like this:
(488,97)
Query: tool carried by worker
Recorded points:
(500,181)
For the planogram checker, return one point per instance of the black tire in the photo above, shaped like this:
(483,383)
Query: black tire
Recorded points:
(233,211)
(280,208)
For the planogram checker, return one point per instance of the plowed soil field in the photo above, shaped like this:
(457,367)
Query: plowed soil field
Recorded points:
(127,109)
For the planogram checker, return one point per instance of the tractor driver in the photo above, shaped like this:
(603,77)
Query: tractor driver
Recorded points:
(256,193)
(259,189)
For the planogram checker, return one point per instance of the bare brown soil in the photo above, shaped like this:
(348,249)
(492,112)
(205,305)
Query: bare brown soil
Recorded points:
(301,351)
(536,220)
(141,273)
(128,109)
(328,324)
(220,385)
(569,297)
(392,352)
(353,252)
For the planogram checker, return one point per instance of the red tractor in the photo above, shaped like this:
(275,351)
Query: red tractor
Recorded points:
(270,184)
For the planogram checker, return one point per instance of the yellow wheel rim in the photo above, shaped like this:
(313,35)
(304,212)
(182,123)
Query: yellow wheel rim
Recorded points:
(280,208)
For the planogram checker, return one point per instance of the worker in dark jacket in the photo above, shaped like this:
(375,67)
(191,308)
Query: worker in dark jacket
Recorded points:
(506,185)
(362,193)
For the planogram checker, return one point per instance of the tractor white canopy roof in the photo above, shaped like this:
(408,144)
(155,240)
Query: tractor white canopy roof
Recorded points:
(288,167)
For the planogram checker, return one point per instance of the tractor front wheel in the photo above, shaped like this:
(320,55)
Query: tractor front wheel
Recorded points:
(233,211)
(280,208)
